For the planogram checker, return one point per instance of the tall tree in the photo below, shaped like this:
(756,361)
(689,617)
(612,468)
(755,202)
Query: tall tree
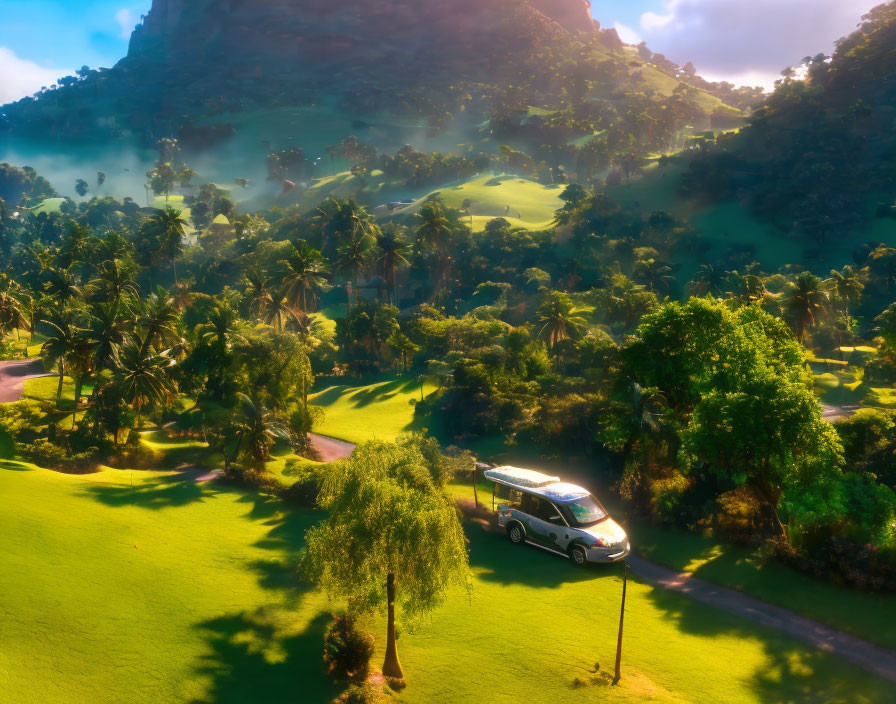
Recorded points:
(805,301)
(559,319)
(304,274)
(393,251)
(62,343)
(169,227)
(392,535)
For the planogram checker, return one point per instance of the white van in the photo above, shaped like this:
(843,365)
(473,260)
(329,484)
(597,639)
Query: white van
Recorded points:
(562,518)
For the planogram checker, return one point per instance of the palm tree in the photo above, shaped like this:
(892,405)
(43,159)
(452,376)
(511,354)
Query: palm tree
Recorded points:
(255,431)
(257,289)
(114,282)
(276,311)
(708,281)
(143,377)
(434,230)
(393,254)
(848,285)
(559,319)
(76,246)
(157,320)
(62,285)
(61,345)
(222,328)
(653,274)
(805,300)
(168,226)
(304,274)
(107,331)
(12,314)
(354,257)
(343,219)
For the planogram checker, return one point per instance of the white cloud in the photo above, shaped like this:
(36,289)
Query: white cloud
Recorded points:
(738,41)
(126,21)
(20,77)
(626,33)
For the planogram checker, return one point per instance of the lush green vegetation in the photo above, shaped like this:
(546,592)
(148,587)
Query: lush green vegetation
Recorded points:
(530,287)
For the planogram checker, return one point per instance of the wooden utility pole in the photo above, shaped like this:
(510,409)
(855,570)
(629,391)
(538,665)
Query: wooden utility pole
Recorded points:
(617,675)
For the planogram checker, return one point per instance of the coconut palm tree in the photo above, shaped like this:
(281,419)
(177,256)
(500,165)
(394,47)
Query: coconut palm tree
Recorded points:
(13,315)
(393,251)
(805,301)
(304,274)
(222,328)
(113,282)
(62,285)
(257,287)
(709,280)
(107,331)
(847,285)
(559,319)
(653,274)
(143,378)
(64,341)
(157,321)
(168,226)
(276,311)
(255,431)
(354,256)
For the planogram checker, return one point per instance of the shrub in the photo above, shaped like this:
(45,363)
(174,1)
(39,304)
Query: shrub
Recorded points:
(347,650)
(362,694)
(46,454)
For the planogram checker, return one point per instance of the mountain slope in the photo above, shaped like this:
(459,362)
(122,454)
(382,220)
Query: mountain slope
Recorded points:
(818,158)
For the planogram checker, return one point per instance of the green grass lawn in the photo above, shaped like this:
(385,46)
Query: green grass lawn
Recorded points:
(168,591)
(380,411)
(532,205)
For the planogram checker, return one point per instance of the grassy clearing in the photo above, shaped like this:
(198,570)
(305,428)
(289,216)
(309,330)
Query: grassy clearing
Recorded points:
(190,591)
(380,411)
(531,204)
(744,569)
(48,205)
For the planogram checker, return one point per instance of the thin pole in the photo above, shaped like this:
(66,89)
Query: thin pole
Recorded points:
(617,675)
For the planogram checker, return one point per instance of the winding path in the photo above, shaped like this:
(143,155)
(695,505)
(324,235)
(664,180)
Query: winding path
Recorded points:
(866,655)
(330,449)
(14,374)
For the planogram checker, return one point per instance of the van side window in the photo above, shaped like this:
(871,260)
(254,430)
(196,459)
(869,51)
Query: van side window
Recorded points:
(513,501)
(529,505)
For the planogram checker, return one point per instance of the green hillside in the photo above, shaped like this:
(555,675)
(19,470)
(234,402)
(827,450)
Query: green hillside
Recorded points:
(523,202)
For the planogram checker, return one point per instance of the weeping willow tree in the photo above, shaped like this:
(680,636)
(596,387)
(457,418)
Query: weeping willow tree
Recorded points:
(392,536)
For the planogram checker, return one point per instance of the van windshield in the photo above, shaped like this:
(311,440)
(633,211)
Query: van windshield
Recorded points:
(586,511)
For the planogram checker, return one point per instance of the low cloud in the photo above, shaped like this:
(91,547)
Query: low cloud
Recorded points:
(126,21)
(737,41)
(20,77)
(626,33)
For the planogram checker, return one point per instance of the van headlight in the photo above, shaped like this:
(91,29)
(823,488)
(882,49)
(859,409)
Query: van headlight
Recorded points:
(600,543)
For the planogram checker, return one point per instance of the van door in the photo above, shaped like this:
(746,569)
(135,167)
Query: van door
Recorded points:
(542,524)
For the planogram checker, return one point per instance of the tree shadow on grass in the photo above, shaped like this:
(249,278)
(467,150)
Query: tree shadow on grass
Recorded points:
(496,559)
(169,490)
(795,673)
(256,659)
(14,466)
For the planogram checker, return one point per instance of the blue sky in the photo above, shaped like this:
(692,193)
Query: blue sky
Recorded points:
(744,42)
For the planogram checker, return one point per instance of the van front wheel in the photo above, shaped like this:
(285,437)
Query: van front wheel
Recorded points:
(578,556)
(515,533)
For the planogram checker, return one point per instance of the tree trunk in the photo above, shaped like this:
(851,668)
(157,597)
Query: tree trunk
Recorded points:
(79,383)
(61,379)
(391,666)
